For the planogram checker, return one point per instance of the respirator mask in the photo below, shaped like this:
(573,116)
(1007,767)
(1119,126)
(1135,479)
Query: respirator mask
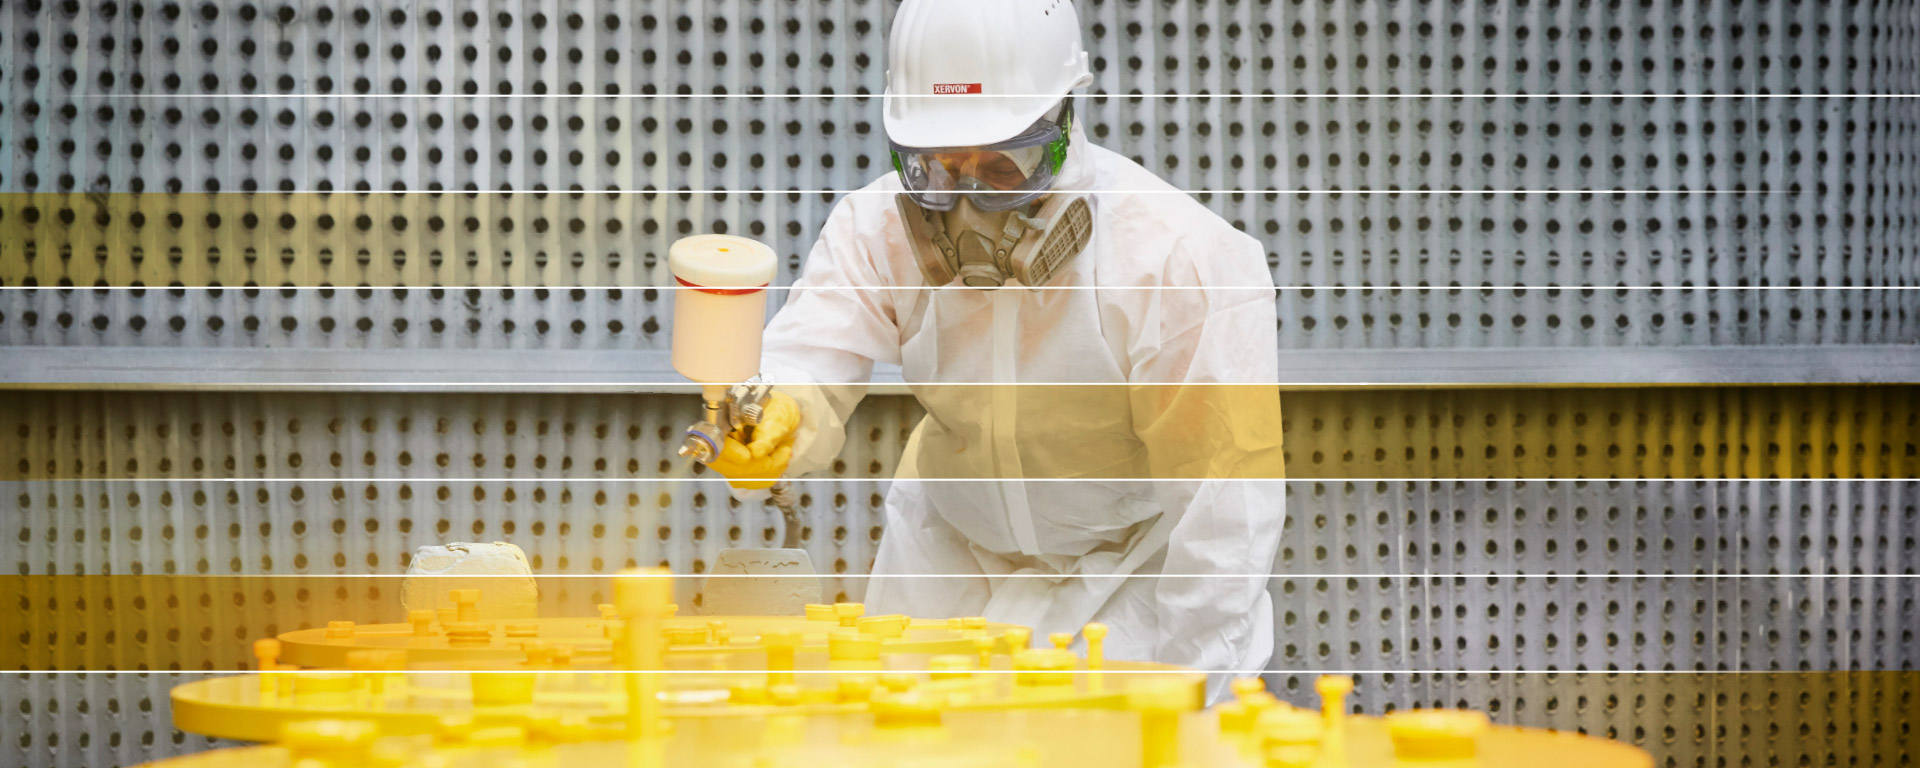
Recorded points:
(984,215)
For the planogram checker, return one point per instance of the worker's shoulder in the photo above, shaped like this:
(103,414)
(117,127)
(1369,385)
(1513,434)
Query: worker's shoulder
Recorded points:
(1164,227)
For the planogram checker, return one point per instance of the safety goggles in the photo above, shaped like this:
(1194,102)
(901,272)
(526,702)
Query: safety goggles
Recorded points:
(997,177)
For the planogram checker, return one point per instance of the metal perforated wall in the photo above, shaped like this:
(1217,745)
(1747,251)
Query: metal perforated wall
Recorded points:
(197,521)
(1564,148)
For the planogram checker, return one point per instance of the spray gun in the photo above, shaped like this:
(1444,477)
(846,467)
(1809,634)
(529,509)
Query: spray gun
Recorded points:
(739,407)
(718,316)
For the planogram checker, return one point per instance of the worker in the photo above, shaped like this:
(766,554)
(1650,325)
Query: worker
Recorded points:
(1095,350)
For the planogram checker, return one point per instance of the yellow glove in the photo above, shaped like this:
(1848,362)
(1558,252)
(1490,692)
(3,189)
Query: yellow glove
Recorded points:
(756,462)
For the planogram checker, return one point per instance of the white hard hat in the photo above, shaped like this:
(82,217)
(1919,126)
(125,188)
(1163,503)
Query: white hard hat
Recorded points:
(968,73)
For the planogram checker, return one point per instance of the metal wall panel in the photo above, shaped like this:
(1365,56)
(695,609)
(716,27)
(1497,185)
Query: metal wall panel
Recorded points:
(1605,151)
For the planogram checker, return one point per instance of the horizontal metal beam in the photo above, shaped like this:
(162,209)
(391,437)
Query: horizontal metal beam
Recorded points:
(163,368)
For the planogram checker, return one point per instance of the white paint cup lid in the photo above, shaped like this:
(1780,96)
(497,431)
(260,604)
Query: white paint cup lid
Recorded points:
(722,261)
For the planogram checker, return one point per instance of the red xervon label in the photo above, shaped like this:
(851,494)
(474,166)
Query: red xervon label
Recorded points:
(941,89)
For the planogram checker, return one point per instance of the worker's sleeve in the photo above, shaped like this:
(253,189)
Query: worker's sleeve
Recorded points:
(838,321)
(1207,406)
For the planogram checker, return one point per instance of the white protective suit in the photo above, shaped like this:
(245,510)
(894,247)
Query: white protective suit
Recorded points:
(1146,477)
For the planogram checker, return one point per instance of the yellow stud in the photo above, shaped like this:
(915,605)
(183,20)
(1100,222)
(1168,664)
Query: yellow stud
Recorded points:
(444,616)
(1096,634)
(820,612)
(984,647)
(422,621)
(950,667)
(1061,640)
(1333,690)
(1019,639)
(327,742)
(1050,666)
(686,636)
(562,655)
(523,629)
(502,689)
(852,646)
(894,625)
(854,688)
(1436,734)
(267,653)
(1247,686)
(463,634)
(1290,738)
(1161,704)
(897,682)
(721,635)
(849,613)
(781,645)
(338,630)
(643,597)
(466,605)
(608,611)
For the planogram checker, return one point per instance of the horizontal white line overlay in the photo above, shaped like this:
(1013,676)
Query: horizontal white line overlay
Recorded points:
(1363,288)
(1041,576)
(542,193)
(1171,670)
(1576,481)
(1095,96)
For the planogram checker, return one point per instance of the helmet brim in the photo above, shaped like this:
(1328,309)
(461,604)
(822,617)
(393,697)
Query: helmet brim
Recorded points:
(961,120)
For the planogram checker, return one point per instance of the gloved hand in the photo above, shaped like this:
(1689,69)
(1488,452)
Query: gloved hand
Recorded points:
(756,461)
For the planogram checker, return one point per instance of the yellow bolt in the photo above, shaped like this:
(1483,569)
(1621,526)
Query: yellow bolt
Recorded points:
(1247,686)
(523,629)
(466,608)
(784,694)
(327,742)
(609,611)
(672,610)
(852,646)
(1333,691)
(1043,667)
(469,634)
(781,645)
(562,655)
(855,688)
(502,689)
(1096,634)
(897,682)
(1290,738)
(339,629)
(1435,734)
(422,621)
(950,667)
(1019,639)
(984,647)
(894,625)
(721,635)
(686,635)
(849,613)
(267,652)
(444,616)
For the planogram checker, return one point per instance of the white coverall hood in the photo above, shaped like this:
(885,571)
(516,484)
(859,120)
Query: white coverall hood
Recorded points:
(1115,455)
